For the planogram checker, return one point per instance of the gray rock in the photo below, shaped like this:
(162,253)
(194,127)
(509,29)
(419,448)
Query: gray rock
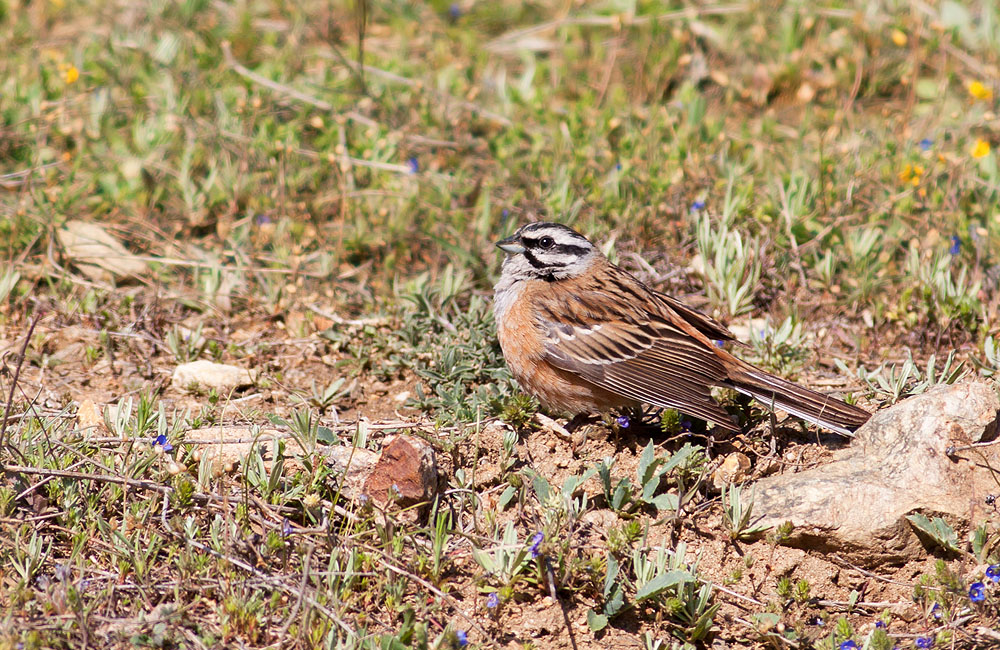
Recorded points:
(206,374)
(898,464)
(354,466)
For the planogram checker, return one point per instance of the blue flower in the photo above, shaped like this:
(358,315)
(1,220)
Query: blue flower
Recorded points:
(413,165)
(462,638)
(848,645)
(956,245)
(993,572)
(536,541)
(261,219)
(454,11)
(161,440)
(286,527)
(926,144)
(686,425)
(719,343)
(618,167)
(493,601)
(880,624)
(977,592)
(936,611)
(924,642)
(697,205)
(623,421)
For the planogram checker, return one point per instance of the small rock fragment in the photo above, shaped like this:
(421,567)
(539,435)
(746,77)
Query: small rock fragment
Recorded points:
(90,419)
(354,465)
(734,469)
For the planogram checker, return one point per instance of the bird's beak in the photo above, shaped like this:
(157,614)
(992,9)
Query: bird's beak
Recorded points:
(510,245)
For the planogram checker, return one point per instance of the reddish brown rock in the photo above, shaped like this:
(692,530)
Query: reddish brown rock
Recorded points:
(406,473)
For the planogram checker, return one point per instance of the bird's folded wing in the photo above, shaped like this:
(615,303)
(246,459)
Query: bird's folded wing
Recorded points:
(633,353)
(704,323)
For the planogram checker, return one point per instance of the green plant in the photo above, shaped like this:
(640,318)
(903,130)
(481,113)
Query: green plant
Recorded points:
(186,345)
(506,560)
(682,465)
(324,398)
(898,381)
(306,431)
(612,595)
(737,515)
(989,366)
(732,262)
(782,350)
(937,530)
(670,580)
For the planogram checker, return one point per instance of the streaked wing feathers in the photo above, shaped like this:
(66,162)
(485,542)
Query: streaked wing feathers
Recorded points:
(634,353)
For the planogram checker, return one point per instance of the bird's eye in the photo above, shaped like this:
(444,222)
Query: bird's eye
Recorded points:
(545,243)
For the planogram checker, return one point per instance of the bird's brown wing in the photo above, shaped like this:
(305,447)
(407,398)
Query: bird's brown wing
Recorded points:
(618,335)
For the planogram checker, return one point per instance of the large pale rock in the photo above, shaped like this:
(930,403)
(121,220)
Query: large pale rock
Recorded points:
(206,374)
(898,464)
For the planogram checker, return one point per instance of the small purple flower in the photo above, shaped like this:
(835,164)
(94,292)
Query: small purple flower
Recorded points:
(262,219)
(848,645)
(413,165)
(618,167)
(977,592)
(993,572)
(697,205)
(455,11)
(686,425)
(926,144)
(880,625)
(719,343)
(462,638)
(956,245)
(161,440)
(924,642)
(286,527)
(493,601)
(936,611)
(536,541)
(623,421)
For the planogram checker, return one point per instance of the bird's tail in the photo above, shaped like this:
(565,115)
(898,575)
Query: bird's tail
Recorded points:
(821,410)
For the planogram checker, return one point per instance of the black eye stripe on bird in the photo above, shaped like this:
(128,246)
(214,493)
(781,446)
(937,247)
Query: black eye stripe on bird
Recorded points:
(554,244)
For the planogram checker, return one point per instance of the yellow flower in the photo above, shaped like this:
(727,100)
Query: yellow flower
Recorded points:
(911,174)
(898,37)
(980,149)
(978,90)
(71,74)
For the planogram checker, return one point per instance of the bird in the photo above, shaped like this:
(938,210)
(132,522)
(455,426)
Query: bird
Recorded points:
(585,336)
